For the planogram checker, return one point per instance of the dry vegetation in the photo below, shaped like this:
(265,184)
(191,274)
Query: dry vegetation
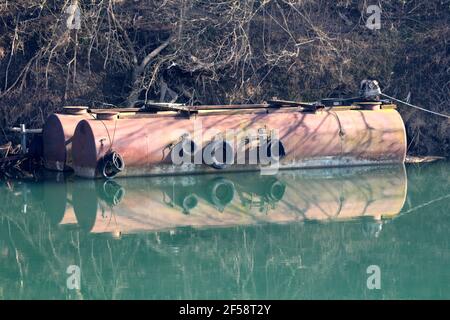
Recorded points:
(221,51)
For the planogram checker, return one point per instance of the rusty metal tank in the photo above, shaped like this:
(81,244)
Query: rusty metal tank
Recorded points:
(206,201)
(327,138)
(57,137)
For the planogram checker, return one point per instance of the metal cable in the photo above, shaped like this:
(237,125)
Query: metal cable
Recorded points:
(111,141)
(413,106)
(425,204)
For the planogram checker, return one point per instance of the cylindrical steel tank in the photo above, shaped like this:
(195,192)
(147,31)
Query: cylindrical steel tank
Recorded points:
(57,137)
(321,139)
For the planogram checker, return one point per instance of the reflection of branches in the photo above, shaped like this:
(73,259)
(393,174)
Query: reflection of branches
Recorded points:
(20,232)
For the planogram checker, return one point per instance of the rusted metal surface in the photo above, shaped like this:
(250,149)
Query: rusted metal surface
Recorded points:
(322,139)
(57,140)
(157,204)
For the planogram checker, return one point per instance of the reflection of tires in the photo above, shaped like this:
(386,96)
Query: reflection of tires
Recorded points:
(85,204)
(55,201)
(269,188)
(111,192)
(276,190)
(189,202)
(222,193)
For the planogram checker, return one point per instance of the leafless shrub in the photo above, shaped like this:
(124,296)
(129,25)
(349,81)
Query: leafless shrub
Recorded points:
(221,51)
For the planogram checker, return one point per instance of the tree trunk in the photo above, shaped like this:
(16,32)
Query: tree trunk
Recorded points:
(139,70)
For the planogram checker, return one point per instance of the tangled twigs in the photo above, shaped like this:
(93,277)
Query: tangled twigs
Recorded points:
(15,165)
(221,51)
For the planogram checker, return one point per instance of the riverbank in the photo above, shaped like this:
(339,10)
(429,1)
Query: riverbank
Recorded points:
(297,52)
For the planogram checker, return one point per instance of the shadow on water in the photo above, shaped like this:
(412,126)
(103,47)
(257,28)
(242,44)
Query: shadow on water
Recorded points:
(300,234)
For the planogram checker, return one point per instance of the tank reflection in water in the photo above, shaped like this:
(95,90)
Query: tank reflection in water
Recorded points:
(301,234)
(205,201)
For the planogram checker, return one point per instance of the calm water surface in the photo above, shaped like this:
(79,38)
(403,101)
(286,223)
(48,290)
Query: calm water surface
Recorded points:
(301,234)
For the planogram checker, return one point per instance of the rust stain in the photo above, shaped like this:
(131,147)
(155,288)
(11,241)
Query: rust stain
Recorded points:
(321,139)
(310,140)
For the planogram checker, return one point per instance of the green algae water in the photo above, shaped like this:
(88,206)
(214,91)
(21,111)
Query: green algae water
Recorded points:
(348,233)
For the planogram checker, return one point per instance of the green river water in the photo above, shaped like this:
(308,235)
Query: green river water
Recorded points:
(300,234)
